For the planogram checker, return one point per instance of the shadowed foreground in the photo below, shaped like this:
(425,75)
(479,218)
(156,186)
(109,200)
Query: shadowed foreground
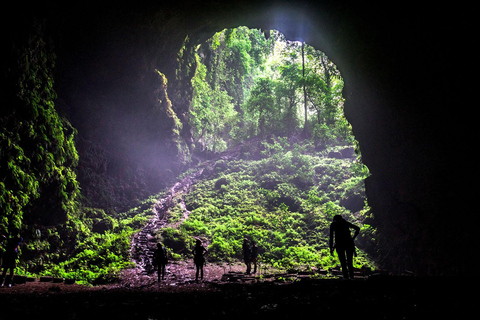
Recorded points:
(375,298)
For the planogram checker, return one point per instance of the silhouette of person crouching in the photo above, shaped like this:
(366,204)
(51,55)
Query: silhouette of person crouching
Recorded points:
(344,243)
(160,260)
(198,258)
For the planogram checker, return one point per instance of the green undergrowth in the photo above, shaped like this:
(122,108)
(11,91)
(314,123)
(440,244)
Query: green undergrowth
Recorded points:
(91,248)
(282,196)
(284,201)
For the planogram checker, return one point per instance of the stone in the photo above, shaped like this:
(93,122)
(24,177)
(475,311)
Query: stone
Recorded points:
(348,152)
(335,155)
(220,182)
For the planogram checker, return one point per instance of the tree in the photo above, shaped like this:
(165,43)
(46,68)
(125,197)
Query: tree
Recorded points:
(289,83)
(305,126)
(212,114)
(324,87)
(228,65)
(271,83)
(261,105)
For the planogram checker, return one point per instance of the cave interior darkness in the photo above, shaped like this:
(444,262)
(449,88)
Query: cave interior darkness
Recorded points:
(408,90)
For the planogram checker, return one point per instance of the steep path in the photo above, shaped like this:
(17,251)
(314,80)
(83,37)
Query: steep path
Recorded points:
(144,242)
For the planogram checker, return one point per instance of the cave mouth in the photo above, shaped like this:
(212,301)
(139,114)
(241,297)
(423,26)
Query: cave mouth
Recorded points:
(253,85)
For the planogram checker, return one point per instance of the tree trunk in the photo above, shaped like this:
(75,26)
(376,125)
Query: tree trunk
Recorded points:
(305,127)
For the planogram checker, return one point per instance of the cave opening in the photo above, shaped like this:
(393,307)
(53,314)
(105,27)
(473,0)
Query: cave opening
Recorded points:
(270,110)
(104,84)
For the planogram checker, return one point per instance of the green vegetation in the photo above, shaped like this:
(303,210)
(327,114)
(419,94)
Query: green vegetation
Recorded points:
(91,248)
(284,201)
(38,158)
(256,93)
(247,86)
(274,105)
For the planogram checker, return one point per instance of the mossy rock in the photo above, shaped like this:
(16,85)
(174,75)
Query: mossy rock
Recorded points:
(220,182)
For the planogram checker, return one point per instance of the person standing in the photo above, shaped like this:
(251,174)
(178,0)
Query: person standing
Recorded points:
(247,255)
(160,260)
(344,243)
(199,258)
(10,258)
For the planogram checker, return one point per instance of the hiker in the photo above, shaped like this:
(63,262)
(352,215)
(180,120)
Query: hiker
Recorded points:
(247,255)
(160,260)
(10,257)
(344,243)
(198,258)
(254,256)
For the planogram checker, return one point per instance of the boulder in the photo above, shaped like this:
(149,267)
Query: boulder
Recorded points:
(220,182)
(354,202)
(348,152)
(335,155)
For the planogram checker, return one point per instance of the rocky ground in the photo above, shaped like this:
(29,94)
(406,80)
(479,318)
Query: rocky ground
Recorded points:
(376,297)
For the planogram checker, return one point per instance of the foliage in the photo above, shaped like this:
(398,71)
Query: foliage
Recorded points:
(94,246)
(212,113)
(284,201)
(247,85)
(38,184)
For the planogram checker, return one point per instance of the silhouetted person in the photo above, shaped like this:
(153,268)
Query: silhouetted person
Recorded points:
(199,258)
(254,256)
(344,243)
(10,257)
(247,255)
(160,260)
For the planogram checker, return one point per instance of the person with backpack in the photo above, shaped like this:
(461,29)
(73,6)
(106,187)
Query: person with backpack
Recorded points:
(160,260)
(344,243)
(199,252)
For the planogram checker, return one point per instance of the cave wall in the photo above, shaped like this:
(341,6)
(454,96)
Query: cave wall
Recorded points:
(408,86)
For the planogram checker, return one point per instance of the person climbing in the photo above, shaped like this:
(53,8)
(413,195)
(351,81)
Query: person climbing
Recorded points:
(254,256)
(344,243)
(247,255)
(160,260)
(9,258)
(199,258)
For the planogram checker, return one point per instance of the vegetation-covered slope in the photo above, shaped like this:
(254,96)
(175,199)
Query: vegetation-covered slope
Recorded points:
(280,103)
(284,201)
(279,194)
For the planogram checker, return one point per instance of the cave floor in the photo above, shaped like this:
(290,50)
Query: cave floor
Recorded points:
(384,297)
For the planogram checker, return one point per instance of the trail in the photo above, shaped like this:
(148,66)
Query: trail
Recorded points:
(144,242)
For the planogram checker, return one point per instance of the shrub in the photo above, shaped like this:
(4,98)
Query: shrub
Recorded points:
(175,240)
